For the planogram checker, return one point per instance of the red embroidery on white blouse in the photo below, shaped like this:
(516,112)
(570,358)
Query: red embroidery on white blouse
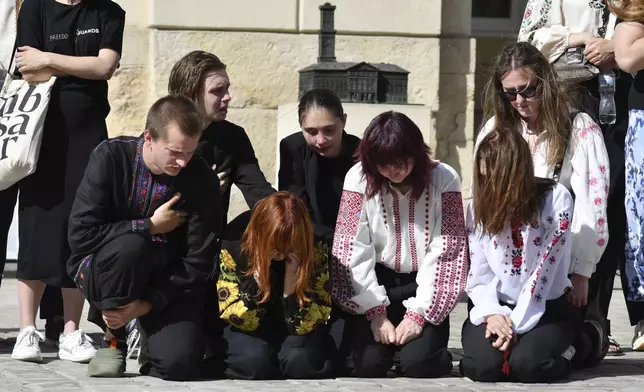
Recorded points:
(397,230)
(558,236)
(415,317)
(384,210)
(427,234)
(452,266)
(411,227)
(375,312)
(517,252)
(346,229)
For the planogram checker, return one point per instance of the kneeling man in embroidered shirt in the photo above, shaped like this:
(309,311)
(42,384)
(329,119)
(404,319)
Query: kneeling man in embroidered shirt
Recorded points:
(143,233)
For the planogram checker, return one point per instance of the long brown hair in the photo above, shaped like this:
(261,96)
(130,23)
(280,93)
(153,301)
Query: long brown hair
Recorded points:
(507,190)
(554,98)
(627,10)
(280,222)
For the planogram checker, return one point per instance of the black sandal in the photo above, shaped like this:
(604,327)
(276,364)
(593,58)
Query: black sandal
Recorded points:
(614,349)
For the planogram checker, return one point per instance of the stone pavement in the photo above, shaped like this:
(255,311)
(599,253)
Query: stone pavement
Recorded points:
(625,373)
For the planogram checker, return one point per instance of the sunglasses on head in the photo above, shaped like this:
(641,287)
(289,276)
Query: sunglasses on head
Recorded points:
(528,92)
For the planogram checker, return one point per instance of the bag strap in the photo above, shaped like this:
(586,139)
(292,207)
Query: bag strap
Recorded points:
(557,172)
(15,43)
(605,17)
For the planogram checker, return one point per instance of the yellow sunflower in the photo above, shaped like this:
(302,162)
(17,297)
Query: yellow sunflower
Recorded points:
(227,293)
(321,289)
(239,316)
(306,326)
(227,260)
(313,315)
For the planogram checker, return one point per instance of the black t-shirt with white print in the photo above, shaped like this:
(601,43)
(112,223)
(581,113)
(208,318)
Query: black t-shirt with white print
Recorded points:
(73,30)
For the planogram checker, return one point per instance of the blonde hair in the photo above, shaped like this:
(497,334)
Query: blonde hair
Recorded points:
(628,10)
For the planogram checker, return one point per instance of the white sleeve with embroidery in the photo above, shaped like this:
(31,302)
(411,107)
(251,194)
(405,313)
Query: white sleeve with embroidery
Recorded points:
(542,26)
(482,281)
(355,287)
(555,259)
(589,182)
(442,273)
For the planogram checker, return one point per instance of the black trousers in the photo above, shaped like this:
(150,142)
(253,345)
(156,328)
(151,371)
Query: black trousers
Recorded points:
(535,357)
(120,273)
(424,357)
(600,286)
(257,356)
(51,304)
(8,198)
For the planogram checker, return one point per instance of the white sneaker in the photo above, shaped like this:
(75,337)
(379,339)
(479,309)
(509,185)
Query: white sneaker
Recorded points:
(27,346)
(76,347)
(133,344)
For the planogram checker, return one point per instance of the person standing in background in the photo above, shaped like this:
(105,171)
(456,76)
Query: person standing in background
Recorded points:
(8,17)
(79,42)
(554,26)
(51,305)
(629,54)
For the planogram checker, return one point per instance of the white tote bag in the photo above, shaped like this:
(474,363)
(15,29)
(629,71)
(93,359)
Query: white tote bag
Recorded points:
(23,108)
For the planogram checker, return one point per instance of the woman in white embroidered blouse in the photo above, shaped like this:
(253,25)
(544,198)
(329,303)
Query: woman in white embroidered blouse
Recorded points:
(521,327)
(556,25)
(523,94)
(553,26)
(400,252)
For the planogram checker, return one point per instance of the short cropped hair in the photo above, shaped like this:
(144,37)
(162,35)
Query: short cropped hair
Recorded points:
(186,77)
(173,110)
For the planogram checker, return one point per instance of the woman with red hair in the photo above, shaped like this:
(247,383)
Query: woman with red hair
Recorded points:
(273,295)
(400,252)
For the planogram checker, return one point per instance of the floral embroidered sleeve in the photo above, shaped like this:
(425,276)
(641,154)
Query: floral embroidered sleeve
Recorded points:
(442,274)
(236,306)
(481,282)
(554,258)
(589,182)
(301,320)
(355,285)
(542,26)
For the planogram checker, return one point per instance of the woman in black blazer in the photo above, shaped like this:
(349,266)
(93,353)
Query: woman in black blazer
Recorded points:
(313,162)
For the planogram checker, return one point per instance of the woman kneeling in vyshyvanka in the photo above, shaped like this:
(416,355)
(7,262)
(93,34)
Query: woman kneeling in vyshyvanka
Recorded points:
(400,252)
(274,295)
(521,326)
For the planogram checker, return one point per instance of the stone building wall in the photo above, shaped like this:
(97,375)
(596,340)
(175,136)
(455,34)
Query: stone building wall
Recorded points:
(264,43)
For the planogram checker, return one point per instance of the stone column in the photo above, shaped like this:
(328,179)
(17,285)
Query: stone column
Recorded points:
(454,116)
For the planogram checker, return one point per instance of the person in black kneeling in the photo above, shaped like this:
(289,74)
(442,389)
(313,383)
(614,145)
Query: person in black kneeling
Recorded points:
(273,293)
(313,164)
(143,233)
(202,78)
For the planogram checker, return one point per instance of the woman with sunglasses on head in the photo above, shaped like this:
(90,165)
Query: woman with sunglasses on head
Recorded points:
(524,95)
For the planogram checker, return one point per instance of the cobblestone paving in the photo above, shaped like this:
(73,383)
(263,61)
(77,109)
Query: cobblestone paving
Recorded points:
(625,373)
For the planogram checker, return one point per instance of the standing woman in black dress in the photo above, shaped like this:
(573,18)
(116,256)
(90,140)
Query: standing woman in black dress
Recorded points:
(80,42)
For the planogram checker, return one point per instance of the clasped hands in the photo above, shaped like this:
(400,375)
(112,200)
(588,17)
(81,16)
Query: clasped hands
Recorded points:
(384,331)
(501,327)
